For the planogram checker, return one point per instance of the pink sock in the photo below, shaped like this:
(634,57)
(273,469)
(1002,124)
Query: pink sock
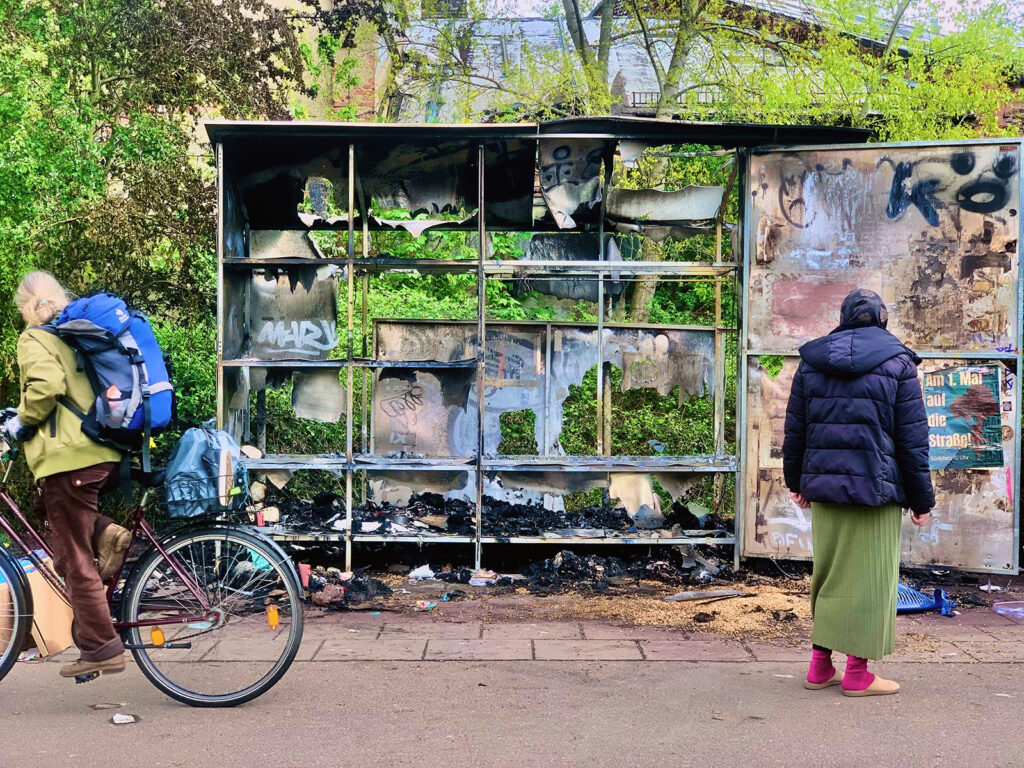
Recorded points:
(821,670)
(857,677)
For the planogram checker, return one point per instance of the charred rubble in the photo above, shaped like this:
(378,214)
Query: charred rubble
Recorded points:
(436,514)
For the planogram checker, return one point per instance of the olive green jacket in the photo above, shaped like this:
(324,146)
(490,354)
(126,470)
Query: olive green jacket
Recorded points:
(49,371)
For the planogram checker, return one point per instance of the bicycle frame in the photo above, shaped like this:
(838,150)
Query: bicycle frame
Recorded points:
(138,526)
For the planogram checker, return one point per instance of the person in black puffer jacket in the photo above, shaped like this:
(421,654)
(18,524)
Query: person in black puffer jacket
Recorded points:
(855,453)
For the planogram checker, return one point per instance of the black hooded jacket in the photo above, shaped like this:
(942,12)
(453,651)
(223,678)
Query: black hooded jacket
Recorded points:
(856,427)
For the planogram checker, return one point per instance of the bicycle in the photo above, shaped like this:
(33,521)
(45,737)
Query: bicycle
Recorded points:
(212,611)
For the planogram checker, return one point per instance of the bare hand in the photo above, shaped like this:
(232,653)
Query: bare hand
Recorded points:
(920,520)
(800,501)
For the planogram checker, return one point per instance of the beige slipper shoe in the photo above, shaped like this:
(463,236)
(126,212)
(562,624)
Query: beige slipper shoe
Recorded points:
(879,687)
(113,544)
(837,678)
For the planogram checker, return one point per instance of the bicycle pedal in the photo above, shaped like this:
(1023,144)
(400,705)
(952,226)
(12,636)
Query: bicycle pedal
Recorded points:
(87,677)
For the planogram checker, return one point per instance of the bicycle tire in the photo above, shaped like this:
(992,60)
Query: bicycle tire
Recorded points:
(19,615)
(148,566)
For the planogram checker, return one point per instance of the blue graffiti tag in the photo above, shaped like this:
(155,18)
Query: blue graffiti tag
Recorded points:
(920,195)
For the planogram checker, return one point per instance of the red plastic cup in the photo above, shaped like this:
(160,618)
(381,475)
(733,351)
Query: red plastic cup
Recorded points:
(304,569)
(259,519)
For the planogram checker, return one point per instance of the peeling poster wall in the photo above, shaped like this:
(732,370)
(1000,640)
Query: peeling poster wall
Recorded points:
(934,230)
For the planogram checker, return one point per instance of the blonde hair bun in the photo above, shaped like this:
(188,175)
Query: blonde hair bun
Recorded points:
(40,298)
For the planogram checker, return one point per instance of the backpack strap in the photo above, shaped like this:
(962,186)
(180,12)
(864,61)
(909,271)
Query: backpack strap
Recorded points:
(146,430)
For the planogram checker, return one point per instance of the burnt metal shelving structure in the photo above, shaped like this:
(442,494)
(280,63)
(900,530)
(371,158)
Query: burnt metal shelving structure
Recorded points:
(265,253)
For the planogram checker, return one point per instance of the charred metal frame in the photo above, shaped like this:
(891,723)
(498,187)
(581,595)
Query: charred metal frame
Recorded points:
(232,138)
(747,353)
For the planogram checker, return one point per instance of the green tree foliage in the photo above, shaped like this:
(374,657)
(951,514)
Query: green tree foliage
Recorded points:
(103,180)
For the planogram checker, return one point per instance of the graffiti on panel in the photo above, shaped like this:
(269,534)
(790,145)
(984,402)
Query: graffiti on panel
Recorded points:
(293,313)
(934,230)
(964,428)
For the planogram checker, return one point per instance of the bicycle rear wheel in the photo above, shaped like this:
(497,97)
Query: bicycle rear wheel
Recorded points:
(15,611)
(241,643)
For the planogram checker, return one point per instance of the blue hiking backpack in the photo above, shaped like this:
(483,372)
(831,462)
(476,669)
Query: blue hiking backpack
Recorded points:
(123,361)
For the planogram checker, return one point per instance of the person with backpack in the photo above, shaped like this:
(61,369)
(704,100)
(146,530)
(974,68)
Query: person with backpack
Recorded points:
(855,453)
(70,469)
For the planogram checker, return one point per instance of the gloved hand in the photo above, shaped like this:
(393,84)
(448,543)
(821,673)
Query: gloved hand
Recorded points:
(13,430)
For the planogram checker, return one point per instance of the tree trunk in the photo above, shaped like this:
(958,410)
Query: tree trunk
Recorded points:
(575,24)
(604,45)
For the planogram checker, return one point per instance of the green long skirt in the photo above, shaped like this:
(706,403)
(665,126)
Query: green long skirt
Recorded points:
(856,569)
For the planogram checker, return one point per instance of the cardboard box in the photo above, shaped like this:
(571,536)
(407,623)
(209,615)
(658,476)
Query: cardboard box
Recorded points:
(6,619)
(51,620)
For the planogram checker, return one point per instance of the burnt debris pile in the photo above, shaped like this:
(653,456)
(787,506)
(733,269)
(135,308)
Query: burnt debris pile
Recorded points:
(434,514)
(335,589)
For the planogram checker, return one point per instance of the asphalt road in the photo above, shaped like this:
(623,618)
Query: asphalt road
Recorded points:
(530,713)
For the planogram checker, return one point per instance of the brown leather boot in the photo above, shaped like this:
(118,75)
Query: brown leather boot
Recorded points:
(106,667)
(879,687)
(111,549)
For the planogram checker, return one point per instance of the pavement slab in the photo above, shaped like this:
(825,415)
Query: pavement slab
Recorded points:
(694,650)
(372,649)
(487,649)
(587,650)
(551,630)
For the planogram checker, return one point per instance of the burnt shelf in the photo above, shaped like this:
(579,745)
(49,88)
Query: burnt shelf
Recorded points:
(356,363)
(499,268)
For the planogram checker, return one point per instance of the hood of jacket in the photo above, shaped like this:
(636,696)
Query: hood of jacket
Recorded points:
(852,353)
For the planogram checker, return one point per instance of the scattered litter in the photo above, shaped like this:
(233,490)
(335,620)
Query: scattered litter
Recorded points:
(1005,695)
(120,719)
(990,587)
(786,676)
(30,655)
(376,613)
(717,717)
(681,597)
(108,705)
(703,617)
(1011,610)
(421,574)
(424,605)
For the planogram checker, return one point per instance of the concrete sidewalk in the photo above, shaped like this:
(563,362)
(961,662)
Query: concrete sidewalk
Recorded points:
(975,636)
(424,691)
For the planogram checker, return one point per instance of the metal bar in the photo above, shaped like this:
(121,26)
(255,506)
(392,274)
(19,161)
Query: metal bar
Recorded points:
(771,148)
(481,368)
(498,267)
(349,425)
(261,420)
(743,309)
(601,448)
(364,423)
(1017,374)
(980,356)
(221,318)
(545,447)
(719,405)
(553,323)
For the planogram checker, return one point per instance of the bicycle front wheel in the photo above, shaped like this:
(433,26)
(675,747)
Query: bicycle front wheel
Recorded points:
(15,611)
(217,621)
